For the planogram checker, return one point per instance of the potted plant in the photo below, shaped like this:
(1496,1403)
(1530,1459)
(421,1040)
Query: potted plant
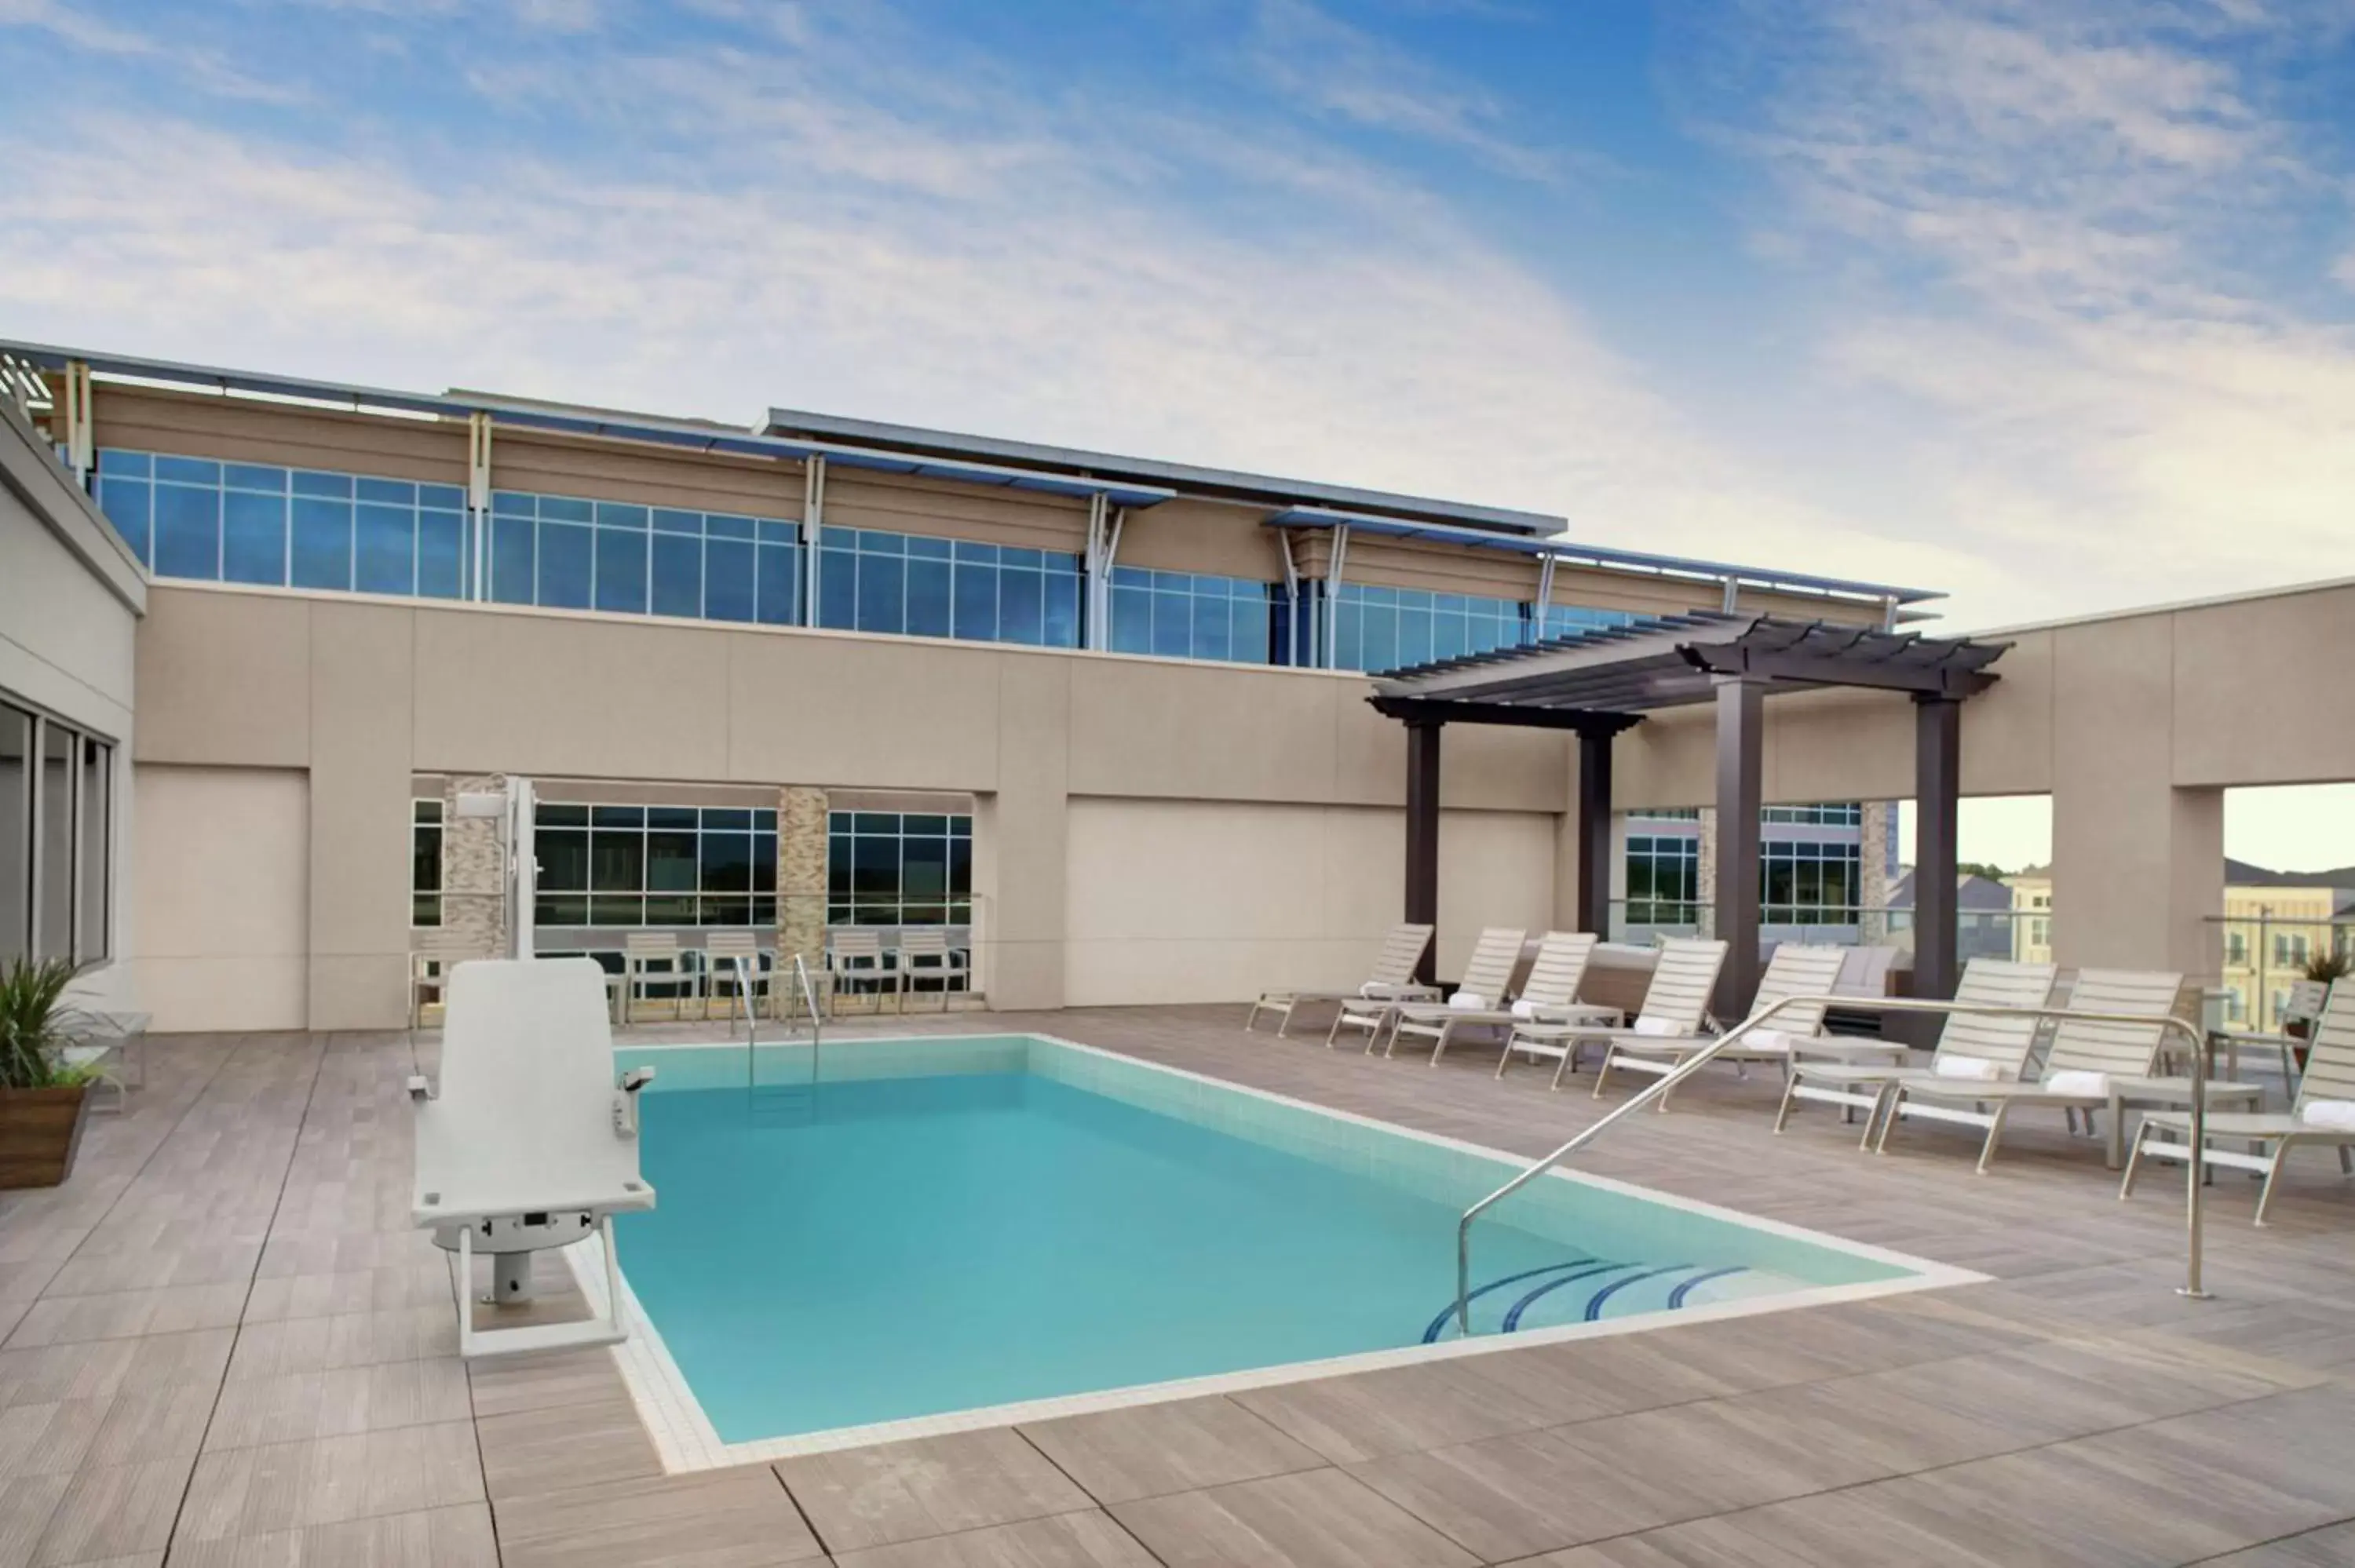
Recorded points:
(42,1100)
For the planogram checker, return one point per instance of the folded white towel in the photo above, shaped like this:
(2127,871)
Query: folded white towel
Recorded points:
(1377,987)
(1774,1040)
(1975,1067)
(1658,1026)
(1524,1008)
(1468,1001)
(2339,1116)
(2092,1085)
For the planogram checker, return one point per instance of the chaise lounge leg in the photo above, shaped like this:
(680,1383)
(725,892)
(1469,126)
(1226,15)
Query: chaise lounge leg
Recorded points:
(2273,1174)
(1790,1094)
(1438,1046)
(1889,1120)
(1602,1073)
(1995,1133)
(2134,1162)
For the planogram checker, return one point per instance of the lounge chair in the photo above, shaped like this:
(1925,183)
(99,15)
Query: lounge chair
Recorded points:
(641,951)
(1551,994)
(1792,971)
(733,956)
(430,963)
(2080,1070)
(530,1142)
(1392,978)
(2329,1081)
(2304,1004)
(1675,1003)
(854,957)
(1488,974)
(1970,1045)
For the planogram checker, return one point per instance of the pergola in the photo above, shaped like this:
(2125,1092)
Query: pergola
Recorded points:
(1599,682)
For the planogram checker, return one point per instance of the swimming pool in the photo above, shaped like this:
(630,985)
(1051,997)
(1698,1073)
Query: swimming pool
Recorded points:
(926,1229)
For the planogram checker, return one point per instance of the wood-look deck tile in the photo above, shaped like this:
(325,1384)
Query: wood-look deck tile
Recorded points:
(128,1314)
(459,1536)
(1150,1449)
(350,1340)
(98,1369)
(152,1270)
(292,1486)
(545,1379)
(2333,1546)
(933,1486)
(424,1283)
(1058,1541)
(1397,1411)
(114,1511)
(1316,1518)
(556,1449)
(294,1406)
(719,1519)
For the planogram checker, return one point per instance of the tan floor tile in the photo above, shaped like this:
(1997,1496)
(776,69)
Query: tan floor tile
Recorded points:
(26,1505)
(1318,1519)
(1397,1411)
(932,1486)
(510,1385)
(1183,1445)
(720,1518)
(153,1269)
(1059,1541)
(292,1486)
(350,1340)
(455,1537)
(98,1369)
(50,1439)
(294,1406)
(150,1423)
(114,1511)
(425,1283)
(566,1446)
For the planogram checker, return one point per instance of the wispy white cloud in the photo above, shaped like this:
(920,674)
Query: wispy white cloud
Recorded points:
(206,69)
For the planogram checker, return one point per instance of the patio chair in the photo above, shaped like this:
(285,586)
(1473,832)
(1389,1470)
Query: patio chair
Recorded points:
(1970,1045)
(1487,975)
(640,952)
(1864,972)
(530,1142)
(2303,1005)
(854,957)
(1550,993)
(1674,1004)
(734,955)
(430,962)
(2323,1115)
(1794,971)
(1393,978)
(2081,1066)
(925,954)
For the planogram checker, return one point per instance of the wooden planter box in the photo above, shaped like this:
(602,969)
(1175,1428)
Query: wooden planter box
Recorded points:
(40,1131)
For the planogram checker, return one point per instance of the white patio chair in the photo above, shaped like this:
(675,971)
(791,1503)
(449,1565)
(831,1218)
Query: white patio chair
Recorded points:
(1549,994)
(925,954)
(1794,971)
(854,959)
(436,953)
(2323,1115)
(1675,1003)
(1487,975)
(1391,978)
(735,956)
(641,952)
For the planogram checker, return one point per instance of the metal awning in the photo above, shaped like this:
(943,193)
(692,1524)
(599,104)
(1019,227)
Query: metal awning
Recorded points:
(1605,677)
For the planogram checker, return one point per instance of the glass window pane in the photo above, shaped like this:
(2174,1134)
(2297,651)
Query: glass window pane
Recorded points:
(254,539)
(928,598)
(1062,610)
(564,565)
(560,815)
(125,503)
(621,571)
(1132,621)
(97,863)
(681,817)
(975,609)
(875,868)
(726,863)
(778,592)
(765,863)
(188,532)
(925,868)
(674,911)
(609,911)
(882,606)
(617,861)
(442,555)
(565,509)
(514,572)
(53,921)
(384,549)
(667,521)
(837,589)
(727,580)
(1021,607)
(560,911)
(617,817)
(1173,625)
(563,856)
(670,862)
(16,828)
(395,493)
(188,471)
(961,867)
(251,476)
(617,515)
(1209,626)
(726,819)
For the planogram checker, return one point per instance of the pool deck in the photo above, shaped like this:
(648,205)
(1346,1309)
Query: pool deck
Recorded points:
(226,1348)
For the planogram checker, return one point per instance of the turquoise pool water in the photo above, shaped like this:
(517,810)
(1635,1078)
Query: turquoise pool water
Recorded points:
(937,1226)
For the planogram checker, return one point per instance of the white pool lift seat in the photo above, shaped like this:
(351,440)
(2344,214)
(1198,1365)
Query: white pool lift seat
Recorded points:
(530,1142)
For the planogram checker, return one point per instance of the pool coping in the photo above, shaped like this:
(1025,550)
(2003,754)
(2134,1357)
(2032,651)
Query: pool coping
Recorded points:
(687,1441)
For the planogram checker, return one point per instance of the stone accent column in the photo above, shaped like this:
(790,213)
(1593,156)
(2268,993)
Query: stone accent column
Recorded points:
(473,869)
(1705,879)
(801,880)
(1873,859)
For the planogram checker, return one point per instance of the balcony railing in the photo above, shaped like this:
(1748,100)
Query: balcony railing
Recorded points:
(2023,934)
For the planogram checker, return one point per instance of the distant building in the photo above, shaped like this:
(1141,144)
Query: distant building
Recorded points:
(1983,914)
(2274,922)
(2031,922)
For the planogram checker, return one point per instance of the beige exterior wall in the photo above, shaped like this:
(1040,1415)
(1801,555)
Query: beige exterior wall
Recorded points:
(223,894)
(70,597)
(359,696)
(1174,901)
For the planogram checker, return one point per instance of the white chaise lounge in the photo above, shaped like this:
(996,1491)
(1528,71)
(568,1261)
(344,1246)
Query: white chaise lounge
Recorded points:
(1393,979)
(1487,975)
(1549,994)
(1674,1004)
(530,1142)
(1794,971)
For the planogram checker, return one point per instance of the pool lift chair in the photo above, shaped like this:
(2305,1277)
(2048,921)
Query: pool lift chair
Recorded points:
(530,1142)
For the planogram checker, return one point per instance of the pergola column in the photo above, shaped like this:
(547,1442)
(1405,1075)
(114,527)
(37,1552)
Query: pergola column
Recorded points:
(1741,782)
(1422,835)
(1937,801)
(1595,831)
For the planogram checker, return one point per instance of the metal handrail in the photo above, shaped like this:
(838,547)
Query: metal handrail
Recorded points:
(809,997)
(1709,1053)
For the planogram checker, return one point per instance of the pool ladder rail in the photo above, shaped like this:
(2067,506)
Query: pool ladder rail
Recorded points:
(1658,1087)
(807,991)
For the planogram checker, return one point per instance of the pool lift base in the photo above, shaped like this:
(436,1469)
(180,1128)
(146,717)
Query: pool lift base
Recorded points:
(510,1240)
